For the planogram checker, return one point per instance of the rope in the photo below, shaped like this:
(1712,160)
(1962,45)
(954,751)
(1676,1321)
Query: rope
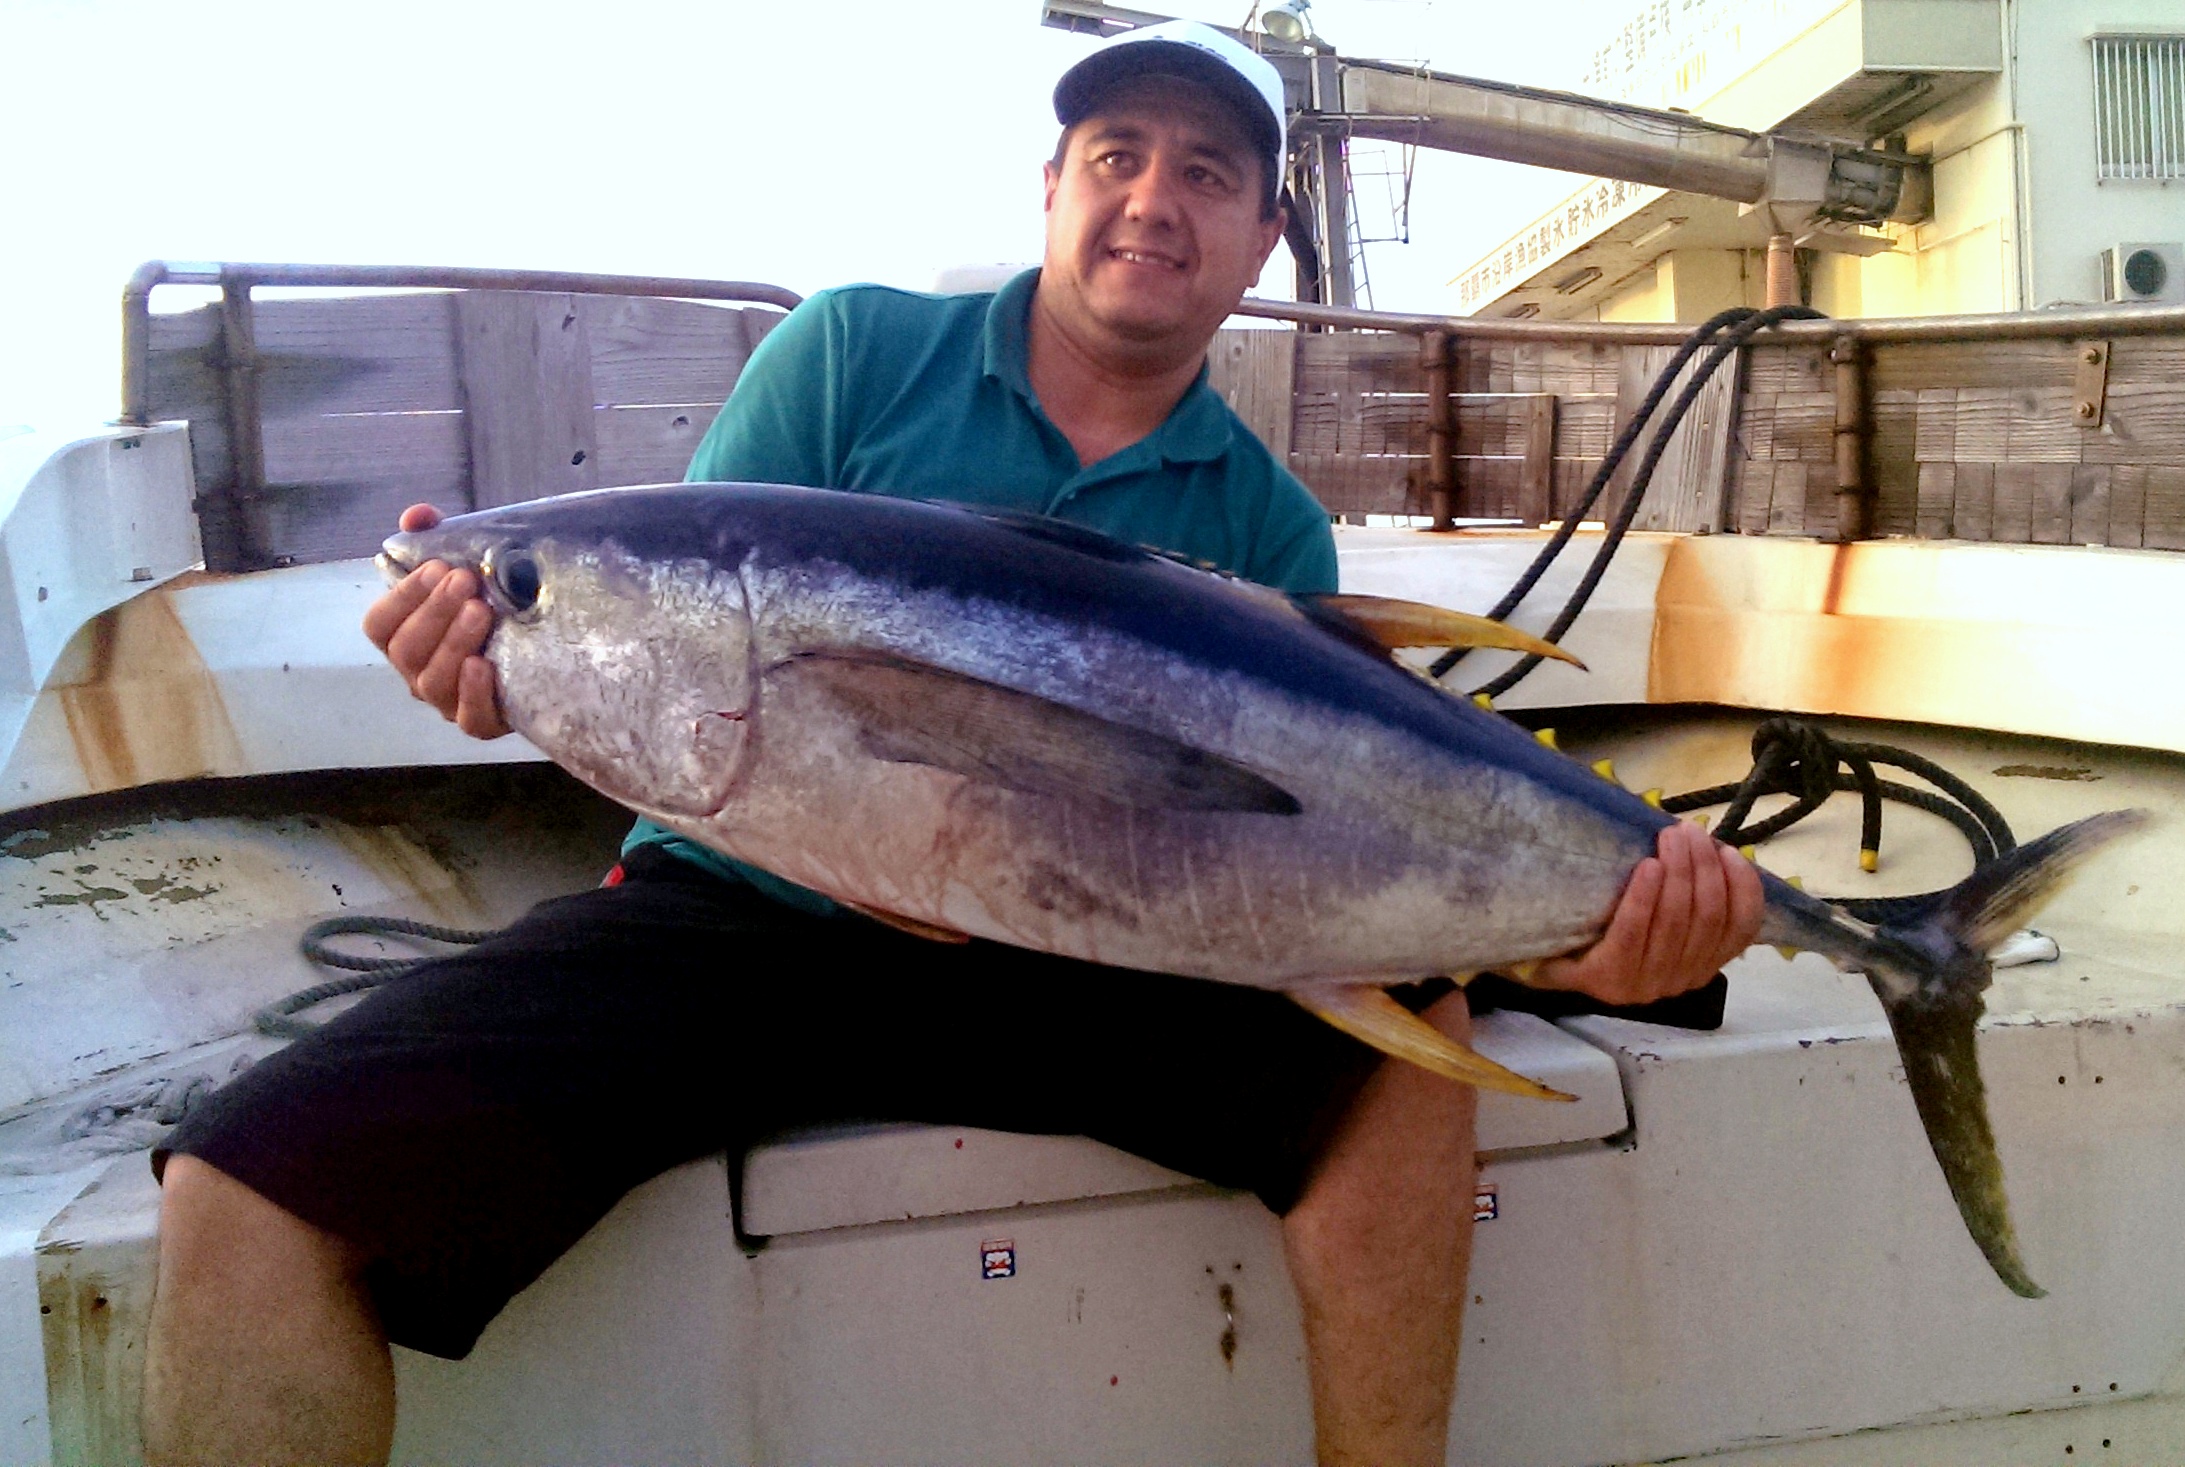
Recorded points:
(1794,757)
(279,1018)
(1790,756)
(1736,326)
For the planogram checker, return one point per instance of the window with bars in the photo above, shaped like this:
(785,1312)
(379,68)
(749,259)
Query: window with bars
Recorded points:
(2139,107)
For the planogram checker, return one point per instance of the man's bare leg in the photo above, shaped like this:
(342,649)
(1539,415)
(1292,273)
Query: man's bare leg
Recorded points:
(1378,1247)
(264,1346)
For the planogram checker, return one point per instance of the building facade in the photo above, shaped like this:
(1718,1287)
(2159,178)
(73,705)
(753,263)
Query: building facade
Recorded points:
(2055,131)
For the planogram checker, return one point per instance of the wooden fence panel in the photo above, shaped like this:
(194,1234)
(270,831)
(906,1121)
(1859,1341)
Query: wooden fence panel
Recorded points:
(1534,500)
(371,402)
(2127,505)
(652,444)
(646,351)
(526,364)
(348,354)
(1910,366)
(2090,505)
(1255,372)
(336,484)
(1892,461)
(464,398)
(1690,480)
(2144,423)
(1352,484)
(2163,527)
(1635,374)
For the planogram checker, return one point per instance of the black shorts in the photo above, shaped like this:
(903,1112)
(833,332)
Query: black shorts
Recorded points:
(469,1121)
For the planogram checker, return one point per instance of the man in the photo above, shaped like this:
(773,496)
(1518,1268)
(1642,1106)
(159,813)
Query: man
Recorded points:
(412,1166)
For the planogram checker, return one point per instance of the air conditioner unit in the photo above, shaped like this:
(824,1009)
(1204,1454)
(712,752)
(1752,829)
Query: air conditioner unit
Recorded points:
(2144,272)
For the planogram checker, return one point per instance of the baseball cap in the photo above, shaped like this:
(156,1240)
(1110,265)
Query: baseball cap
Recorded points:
(1197,53)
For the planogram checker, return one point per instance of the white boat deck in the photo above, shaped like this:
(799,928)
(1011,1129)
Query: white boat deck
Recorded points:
(1736,1244)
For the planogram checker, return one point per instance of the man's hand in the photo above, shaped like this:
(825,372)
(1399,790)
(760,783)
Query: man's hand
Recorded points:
(432,627)
(1688,909)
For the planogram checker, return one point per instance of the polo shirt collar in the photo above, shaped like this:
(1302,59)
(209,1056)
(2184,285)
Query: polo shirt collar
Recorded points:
(1197,429)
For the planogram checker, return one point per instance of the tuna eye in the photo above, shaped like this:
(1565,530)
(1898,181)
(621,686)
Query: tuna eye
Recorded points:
(516,574)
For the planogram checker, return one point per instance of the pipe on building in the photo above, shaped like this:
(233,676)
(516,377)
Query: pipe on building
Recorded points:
(1782,284)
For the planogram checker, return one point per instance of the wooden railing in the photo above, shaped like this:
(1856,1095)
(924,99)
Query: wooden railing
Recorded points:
(2063,428)
(2055,430)
(348,408)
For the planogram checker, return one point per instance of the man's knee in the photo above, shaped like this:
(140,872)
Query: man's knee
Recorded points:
(1452,1015)
(214,1229)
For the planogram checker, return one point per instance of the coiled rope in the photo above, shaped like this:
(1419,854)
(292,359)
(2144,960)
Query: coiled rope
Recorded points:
(279,1018)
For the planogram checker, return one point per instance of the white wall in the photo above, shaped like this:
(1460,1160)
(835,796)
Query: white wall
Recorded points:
(2075,217)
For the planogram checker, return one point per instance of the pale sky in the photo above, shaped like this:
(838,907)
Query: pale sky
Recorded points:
(807,144)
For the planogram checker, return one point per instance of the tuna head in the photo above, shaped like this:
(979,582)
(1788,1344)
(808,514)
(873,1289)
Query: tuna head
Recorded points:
(634,674)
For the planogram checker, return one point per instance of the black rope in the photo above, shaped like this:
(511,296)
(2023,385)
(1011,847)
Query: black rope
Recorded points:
(1790,756)
(1794,757)
(279,1018)
(1736,327)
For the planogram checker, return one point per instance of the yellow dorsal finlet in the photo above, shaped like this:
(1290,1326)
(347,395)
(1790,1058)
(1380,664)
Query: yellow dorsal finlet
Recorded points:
(1546,736)
(1484,701)
(1606,768)
(1653,797)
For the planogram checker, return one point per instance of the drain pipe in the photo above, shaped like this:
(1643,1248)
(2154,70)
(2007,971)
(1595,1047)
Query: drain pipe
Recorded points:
(1782,272)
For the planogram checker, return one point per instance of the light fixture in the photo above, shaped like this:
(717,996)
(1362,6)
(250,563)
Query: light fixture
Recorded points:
(1578,279)
(1286,22)
(1520,311)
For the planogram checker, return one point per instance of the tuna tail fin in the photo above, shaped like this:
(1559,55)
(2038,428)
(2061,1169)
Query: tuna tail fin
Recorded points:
(1934,1019)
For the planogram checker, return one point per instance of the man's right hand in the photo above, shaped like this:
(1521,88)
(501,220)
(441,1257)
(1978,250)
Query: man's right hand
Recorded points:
(432,626)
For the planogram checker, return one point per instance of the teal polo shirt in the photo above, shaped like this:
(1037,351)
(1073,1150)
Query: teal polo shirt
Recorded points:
(886,391)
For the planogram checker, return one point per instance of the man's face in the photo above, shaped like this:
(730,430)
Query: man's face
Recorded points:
(1154,226)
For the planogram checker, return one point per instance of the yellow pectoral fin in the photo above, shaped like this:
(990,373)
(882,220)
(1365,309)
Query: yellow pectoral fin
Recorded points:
(1369,1015)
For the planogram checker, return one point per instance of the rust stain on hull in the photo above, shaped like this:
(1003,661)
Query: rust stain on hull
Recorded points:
(142,706)
(1839,567)
(407,866)
(1915,632)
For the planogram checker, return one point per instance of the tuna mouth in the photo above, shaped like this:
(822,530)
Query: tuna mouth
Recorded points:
(394,562)
(399,554)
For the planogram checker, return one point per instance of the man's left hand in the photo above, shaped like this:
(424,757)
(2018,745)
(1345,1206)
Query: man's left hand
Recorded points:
(1689,908)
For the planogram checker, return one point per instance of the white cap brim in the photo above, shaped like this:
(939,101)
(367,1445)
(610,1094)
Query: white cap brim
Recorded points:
(1195,52)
